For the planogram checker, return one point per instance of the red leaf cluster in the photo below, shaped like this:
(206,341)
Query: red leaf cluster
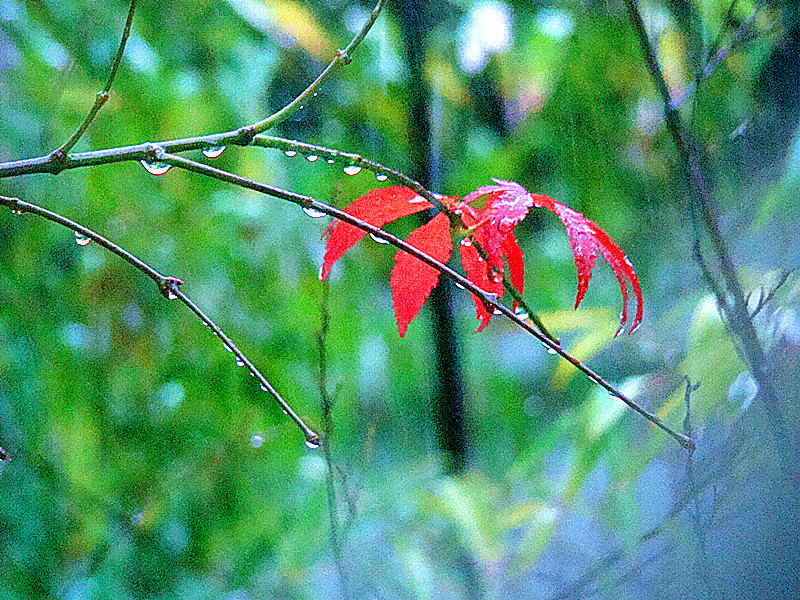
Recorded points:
(506,204)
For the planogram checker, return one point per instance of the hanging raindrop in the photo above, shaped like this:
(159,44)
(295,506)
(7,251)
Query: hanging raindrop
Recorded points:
(290,153)
(155,168)
(551,351)
(352,170)
(377,239)
(213,151)
(81,239)
(381,176)
(312,158)
(331,161)
(239,362)
(313,213)
(263,388)
(313,443)
(170,295)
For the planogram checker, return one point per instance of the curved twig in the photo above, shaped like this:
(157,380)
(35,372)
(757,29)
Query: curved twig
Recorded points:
(102,95)
(169,288)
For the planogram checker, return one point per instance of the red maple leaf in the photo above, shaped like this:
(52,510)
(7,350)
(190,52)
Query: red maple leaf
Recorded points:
(506,204)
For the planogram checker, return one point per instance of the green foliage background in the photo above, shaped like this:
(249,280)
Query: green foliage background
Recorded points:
(135,473)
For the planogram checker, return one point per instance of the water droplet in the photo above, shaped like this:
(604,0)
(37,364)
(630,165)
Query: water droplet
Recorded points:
(381,176)
(314,214)
(312,158)
(17,211)
(521,314)
(377,239)
(331,161)
(301,107)
(170,295)
(155,168)
(291,153)
(497,311)
(81,239)
(256,441)
(239,362)
(551,351)
(204,324)
(316,94)
(352,170)
(417,200)
(319,273)
(312,443)
(263,388)
(213,151)
(466,242)
(459,286)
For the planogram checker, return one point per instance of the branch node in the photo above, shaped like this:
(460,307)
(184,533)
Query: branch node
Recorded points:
(244,136)
(344,56)
(168,286)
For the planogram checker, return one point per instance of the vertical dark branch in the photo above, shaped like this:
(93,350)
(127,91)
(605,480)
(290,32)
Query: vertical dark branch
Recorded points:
(327,434)
(703,213)
(425,168)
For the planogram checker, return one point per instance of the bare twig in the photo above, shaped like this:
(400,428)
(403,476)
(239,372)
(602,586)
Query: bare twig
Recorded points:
(488,299)
(702,210)
(764,300)
(327,435)
(343,57)
(169,288)
(717,54)
(103,95)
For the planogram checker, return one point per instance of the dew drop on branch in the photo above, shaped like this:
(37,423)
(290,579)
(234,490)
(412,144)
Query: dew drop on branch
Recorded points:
(377,239)
(263,388)
(312,444)
(213,151)
(313,213)
(290,153)
(81,239)
(155,168)
(239,362)
(351,170)
(381,176)
(312,158)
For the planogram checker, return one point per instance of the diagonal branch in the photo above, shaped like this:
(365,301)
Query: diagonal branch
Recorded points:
(102,96)
(704,218)
(169,288)
(488,299)
(343,57)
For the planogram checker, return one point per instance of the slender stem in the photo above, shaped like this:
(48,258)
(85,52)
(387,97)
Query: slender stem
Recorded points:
(169,288)
(717,54)
(342,57)
(701,210)
(488,299)
(102,96)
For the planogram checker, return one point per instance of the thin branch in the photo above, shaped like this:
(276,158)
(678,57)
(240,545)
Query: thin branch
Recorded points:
(169,288)
(488,299)
(327,435)
(764,300)
(717,54)
(702,203)
(342,57)
(102,96)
